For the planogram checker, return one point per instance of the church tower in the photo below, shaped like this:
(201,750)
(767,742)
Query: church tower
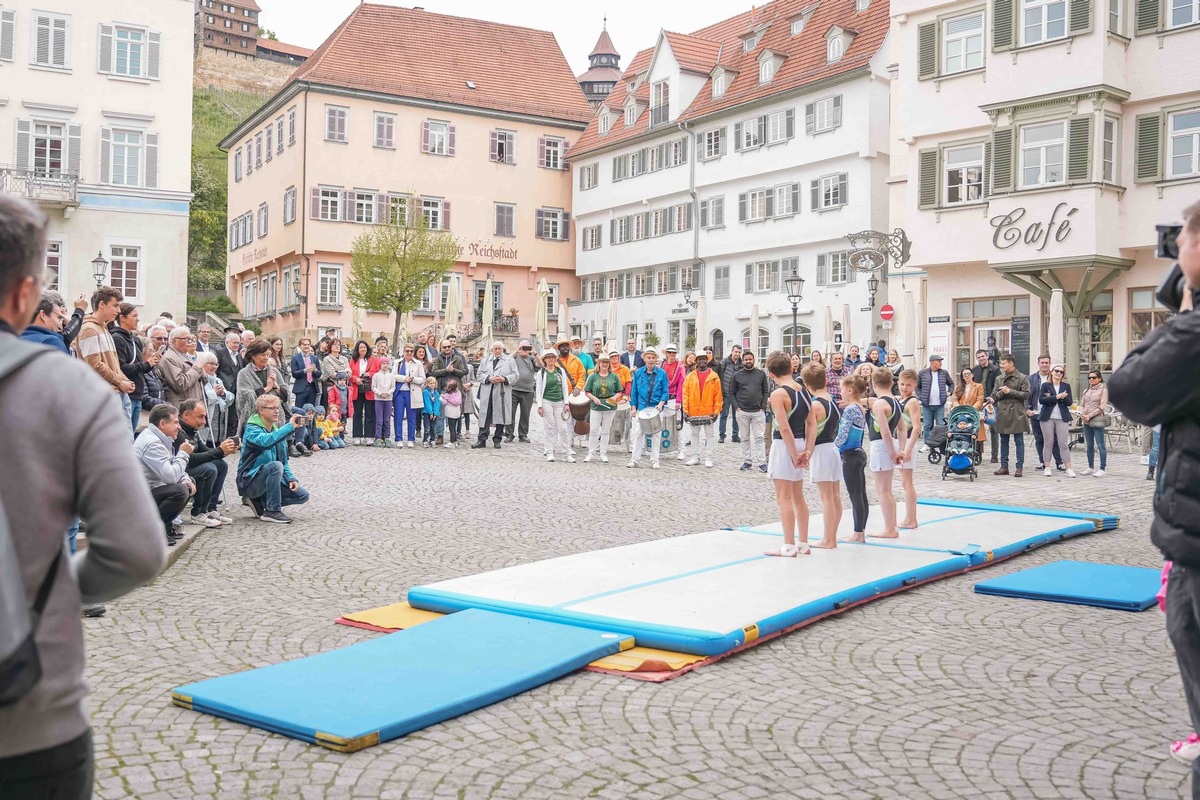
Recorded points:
(604,69)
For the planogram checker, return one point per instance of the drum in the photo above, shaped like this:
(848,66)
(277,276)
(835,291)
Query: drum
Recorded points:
(650,421)
(580,405)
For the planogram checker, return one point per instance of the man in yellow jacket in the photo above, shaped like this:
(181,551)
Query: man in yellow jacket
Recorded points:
(701,407)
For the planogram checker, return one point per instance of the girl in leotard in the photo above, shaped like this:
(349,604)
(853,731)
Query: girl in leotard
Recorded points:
(794,437)
(885,426)
(825,466)
(910,407)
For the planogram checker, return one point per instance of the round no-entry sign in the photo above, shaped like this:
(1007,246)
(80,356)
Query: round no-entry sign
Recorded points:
(887,312)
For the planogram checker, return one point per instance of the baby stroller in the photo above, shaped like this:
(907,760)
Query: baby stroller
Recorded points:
(962,455)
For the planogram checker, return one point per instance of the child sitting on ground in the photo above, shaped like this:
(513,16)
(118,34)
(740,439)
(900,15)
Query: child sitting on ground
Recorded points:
(333,421)
(323,429)
(432,413)
(452,409)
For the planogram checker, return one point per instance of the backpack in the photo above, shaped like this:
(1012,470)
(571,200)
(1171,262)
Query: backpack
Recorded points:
(20,667)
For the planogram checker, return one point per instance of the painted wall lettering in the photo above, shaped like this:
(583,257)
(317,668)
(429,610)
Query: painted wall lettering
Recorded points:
(1009,230)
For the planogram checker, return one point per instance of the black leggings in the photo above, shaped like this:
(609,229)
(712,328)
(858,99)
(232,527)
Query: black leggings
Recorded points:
(364,418)
(854,463)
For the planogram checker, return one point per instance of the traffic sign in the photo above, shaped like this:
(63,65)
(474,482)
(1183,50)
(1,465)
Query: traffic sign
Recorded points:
(887,312)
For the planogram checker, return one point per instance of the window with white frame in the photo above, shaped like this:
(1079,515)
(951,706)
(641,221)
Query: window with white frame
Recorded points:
(262,220)
(270,291)
(49,149)
(861,5)
(439,138)
(330,207)
(655,158)
(714,145)
(766,276)
(54,256)
(385,130)
(1184,12)
(835,49)
(659,220)
(963,174)
(605,123)
(125,270)
(751,133)
(591,237)
(279,136)
(749,43)
(588,176)
(789,267)
(682,217)
(129,51)
(831,191)
(506,219)
(712,212)
(756,204)
(556,150)
(552,302)
(721,282)
(289,205)
(660,95)
(962,43)
(779,126)
(1042,151)
(798,25)
(1043,20)
(258,151)
(51,45)
(270,132)
(291,126)
(620,230)
(785,199)
(504,147)
(398,210)
(1109,149)
(335,123)
(553,224)
(720,84)
(237,164)
(249,156)
(126,162)
(766,70)
(250,297)
(1184,130)
(677,153)
(827,114)
(329,284)
(433,209)
(630,114)
(838,265)
(364,207)
(760,347)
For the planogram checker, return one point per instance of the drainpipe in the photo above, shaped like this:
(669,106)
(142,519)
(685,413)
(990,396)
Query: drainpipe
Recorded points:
(696,260)
(304,201)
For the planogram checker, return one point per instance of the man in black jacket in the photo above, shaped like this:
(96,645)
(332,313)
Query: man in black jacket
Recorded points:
(729,367)
(985,374)
(1159,384)
(207,466)
(749,392)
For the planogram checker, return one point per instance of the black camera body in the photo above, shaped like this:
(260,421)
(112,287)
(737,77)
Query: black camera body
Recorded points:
(1170,291)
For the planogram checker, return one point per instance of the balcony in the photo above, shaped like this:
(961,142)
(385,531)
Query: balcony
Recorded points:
(54,190)
(659,115)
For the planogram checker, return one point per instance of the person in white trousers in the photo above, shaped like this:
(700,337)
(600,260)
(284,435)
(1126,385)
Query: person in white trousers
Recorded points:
(748,393)
(551,388)
(702,398)
(604,389)
(649,391)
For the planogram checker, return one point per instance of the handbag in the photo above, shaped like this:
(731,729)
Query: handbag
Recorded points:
(1101,420)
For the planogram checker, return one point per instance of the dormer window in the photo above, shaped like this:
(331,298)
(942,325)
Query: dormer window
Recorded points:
(836,50)
(631,113)
(836,42)
(766,71)
(605,122)
(798,26)
(749,43)
(720,84)
(861,5)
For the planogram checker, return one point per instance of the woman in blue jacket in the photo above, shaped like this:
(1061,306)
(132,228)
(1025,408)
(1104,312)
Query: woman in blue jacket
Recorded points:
(1055,418)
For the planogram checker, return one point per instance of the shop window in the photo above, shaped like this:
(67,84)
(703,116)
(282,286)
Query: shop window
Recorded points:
(1145,314)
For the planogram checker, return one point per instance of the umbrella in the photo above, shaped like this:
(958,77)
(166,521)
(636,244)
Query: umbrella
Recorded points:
(920,351)
(610,328)
(641,328)
(453,293)
(488,312)
(751,341)
(541,317)
(1057,344)
(908,325)
(847,339)
(828,346)
(564,322)
(701,324)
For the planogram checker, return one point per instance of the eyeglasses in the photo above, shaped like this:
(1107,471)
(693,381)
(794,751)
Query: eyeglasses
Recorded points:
(1056,372)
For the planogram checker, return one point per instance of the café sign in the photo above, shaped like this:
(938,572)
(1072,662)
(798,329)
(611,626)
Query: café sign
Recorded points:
(490,252)
(1012,228)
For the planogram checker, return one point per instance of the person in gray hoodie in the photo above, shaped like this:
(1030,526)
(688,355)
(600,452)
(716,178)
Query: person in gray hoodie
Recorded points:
(66,456)
(522,391)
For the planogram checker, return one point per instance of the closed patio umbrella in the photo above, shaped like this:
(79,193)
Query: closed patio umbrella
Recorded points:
(701,324)
(1057,344)
(541,317)
(453,292)
(752,340)
(489,315)
(847,339)
(827,347)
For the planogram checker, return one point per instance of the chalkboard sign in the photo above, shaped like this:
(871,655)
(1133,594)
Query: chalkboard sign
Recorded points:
(1020,343)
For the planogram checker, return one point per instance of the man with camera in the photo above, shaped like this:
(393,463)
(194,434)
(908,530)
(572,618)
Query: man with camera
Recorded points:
(1143,392)
(263,475)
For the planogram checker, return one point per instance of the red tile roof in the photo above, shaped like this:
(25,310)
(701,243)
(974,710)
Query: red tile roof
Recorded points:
(805,62)
(283,47)
(604,46)
(601,74)
(411,53)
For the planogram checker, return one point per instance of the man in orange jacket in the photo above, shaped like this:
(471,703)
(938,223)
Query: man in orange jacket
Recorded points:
(576,371)
(701,407)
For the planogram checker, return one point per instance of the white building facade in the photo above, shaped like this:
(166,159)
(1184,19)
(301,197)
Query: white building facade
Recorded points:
(727,161)
(95,126)
(1037,145)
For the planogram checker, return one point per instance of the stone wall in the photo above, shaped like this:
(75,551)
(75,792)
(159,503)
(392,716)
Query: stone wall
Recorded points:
(237,72)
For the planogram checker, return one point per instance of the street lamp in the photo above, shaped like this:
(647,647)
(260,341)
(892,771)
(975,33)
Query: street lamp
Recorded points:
(687,296)
(872,287)
(795,292)
(99,268)
(296,289)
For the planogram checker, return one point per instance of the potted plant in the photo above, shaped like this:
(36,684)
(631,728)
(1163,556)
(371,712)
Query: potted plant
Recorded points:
(651,339)
(690,342)
(512,312)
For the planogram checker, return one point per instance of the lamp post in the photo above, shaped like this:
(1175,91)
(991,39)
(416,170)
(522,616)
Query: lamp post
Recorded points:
(687,297)
(872,287)
(301,299)
(795,292)
(99,268)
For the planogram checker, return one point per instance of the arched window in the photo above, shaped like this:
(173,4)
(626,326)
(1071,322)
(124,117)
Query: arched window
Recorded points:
(803,341)
(761,347)
(836,48)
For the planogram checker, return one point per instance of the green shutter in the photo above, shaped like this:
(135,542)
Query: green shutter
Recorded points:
(927,50)
(1002,24)
(1148,147)
(1079,149)
(1149,16)
(927,182)
(1002,160)
(1080,16)
(987,169)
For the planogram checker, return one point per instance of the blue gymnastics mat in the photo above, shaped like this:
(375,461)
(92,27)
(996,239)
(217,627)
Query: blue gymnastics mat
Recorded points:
(1082,583)
(384,688)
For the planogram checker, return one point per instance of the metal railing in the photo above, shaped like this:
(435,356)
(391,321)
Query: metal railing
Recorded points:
(49,188)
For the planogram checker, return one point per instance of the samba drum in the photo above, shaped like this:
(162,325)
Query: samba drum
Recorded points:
(650,421)
(581,407)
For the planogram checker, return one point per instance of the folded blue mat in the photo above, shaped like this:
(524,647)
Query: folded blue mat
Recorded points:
(384,688)
(1081,582)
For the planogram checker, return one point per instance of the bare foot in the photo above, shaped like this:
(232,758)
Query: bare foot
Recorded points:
(907,526)
(885,535)
(824,545)
(857,537)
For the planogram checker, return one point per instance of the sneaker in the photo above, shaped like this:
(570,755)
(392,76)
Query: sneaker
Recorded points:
(1099,473)
(721,440)
(1145,463)
(99,610)
(550,457)
(1071,473)
(1186,751)
(588,458)
(682,455)
(1047,472)
(654,465)
(408,444)
(276,516)
(691,462)
(923,449)
(257,505)
(603,459)
(631,465)
(570,458)
(206,521)
(736,440)
(449,445)
(762,468)
(1085,471)
(220,518)
(745,466)
(708,462)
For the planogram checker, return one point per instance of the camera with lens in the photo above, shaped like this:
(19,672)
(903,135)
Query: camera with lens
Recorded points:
(1170,291)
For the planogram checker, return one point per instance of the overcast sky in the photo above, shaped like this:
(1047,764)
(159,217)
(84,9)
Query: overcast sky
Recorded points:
(308,22)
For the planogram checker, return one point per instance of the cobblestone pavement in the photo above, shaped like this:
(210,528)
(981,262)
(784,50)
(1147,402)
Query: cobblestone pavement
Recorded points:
(933,693)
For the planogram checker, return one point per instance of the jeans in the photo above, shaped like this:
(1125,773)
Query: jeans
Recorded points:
(72,535)
(1154,450)
(753,425)
(383,418)
(433,428)
(726,413)
(1040,442)
(210,479)
(930,416)
(1020,444)
(405,413)
(1094,438)
(127,405)
(1183,628)
(337,443)
(854,463)
(62,772)
(522,408)
(135,413)
(268,486)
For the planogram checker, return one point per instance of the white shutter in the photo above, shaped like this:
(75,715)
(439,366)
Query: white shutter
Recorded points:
(821,270)
(106,155)
(8,29)
(104,50)
(74,149)
(41,40)
(151,160)
(749,279)
(60,53)
(154,59)
(24,153)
